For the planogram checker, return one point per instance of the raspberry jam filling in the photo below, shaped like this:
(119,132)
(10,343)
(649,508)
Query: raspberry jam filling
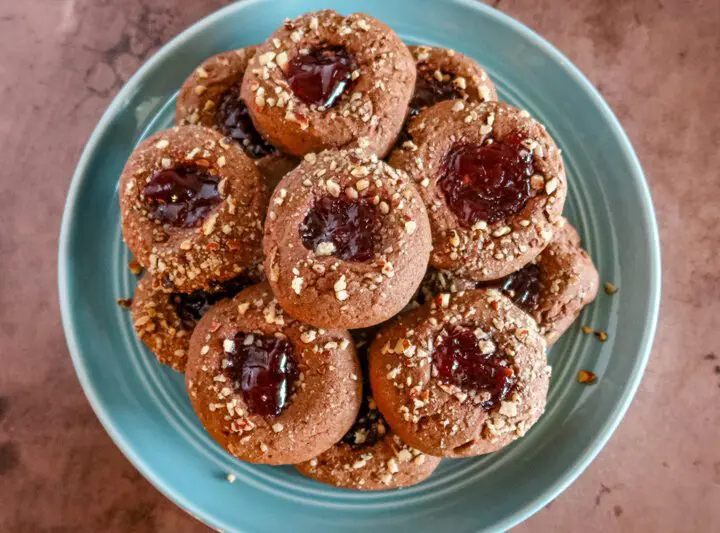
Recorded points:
(488,182)
(321,76)
(460,361)
(191,307)
(181,196)
(263,368)
(342,227)
(429,91)
(522,287)
(233,120)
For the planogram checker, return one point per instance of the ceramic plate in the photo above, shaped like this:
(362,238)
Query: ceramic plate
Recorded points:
(144,407)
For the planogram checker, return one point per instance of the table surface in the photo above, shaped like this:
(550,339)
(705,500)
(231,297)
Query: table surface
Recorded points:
(655,61)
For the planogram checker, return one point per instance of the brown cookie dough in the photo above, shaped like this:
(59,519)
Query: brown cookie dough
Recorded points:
(444,74)
(210,97)
(465,374)
(268,388)
(192,206)
(553,289)
(347,240)
(493,181)
(164,321)
(370,456)
(324,80)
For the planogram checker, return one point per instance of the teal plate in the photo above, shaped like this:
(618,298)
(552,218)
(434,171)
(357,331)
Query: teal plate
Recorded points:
(143,405)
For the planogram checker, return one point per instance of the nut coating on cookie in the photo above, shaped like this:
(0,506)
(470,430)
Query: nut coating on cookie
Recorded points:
(268,388)
(192,206)
(465,374)
(347,240)
(493,182)
(164,321)
(568,282)
(324,80)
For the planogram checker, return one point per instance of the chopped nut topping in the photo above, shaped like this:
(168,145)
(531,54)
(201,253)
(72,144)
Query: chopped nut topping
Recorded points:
(586,376)
(610,288)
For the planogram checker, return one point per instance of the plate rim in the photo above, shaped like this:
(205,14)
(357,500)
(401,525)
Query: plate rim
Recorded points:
(572,471)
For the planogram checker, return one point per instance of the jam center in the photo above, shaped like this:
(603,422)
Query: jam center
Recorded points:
(233,120)
(321,76)
(191,307)
(522,287)
(181,196)
(429,91)
(344,228)
(487,182)
(263,368)
(460,361)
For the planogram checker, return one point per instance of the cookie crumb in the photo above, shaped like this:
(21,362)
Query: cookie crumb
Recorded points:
(587,330)
(602,336)
(230,478)
(125,303)
(586,377)
(610,288)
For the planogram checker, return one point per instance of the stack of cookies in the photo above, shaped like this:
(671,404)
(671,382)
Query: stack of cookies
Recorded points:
(354,252)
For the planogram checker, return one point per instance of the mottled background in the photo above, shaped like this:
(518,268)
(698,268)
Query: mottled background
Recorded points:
(656,62)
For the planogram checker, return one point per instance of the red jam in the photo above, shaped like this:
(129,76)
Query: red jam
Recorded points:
(263,368)
(191,307)
(488,182)
(347,229)
(321,76)
(233,120)
(181,196)
(429,91)
(522,287)
(460,362)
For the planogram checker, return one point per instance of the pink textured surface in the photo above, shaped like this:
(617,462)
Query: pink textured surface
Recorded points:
(656,62)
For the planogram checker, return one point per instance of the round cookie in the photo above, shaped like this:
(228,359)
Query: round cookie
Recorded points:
(324,81)
(192,206)
(444,74)
(268,388)
(553,289)
(568,282)
(210,97)
(164,321)
(370,456)
(463,375)
(347,240)
(493,182)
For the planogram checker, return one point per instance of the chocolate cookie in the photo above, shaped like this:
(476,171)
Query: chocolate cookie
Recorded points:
(324,80)
(370,456)
(553,289)
(347,240)
(493,182)
(268,388)
(465,374)
(192,206)
(568,282)
(210,96)
(444,74)
(164,321)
